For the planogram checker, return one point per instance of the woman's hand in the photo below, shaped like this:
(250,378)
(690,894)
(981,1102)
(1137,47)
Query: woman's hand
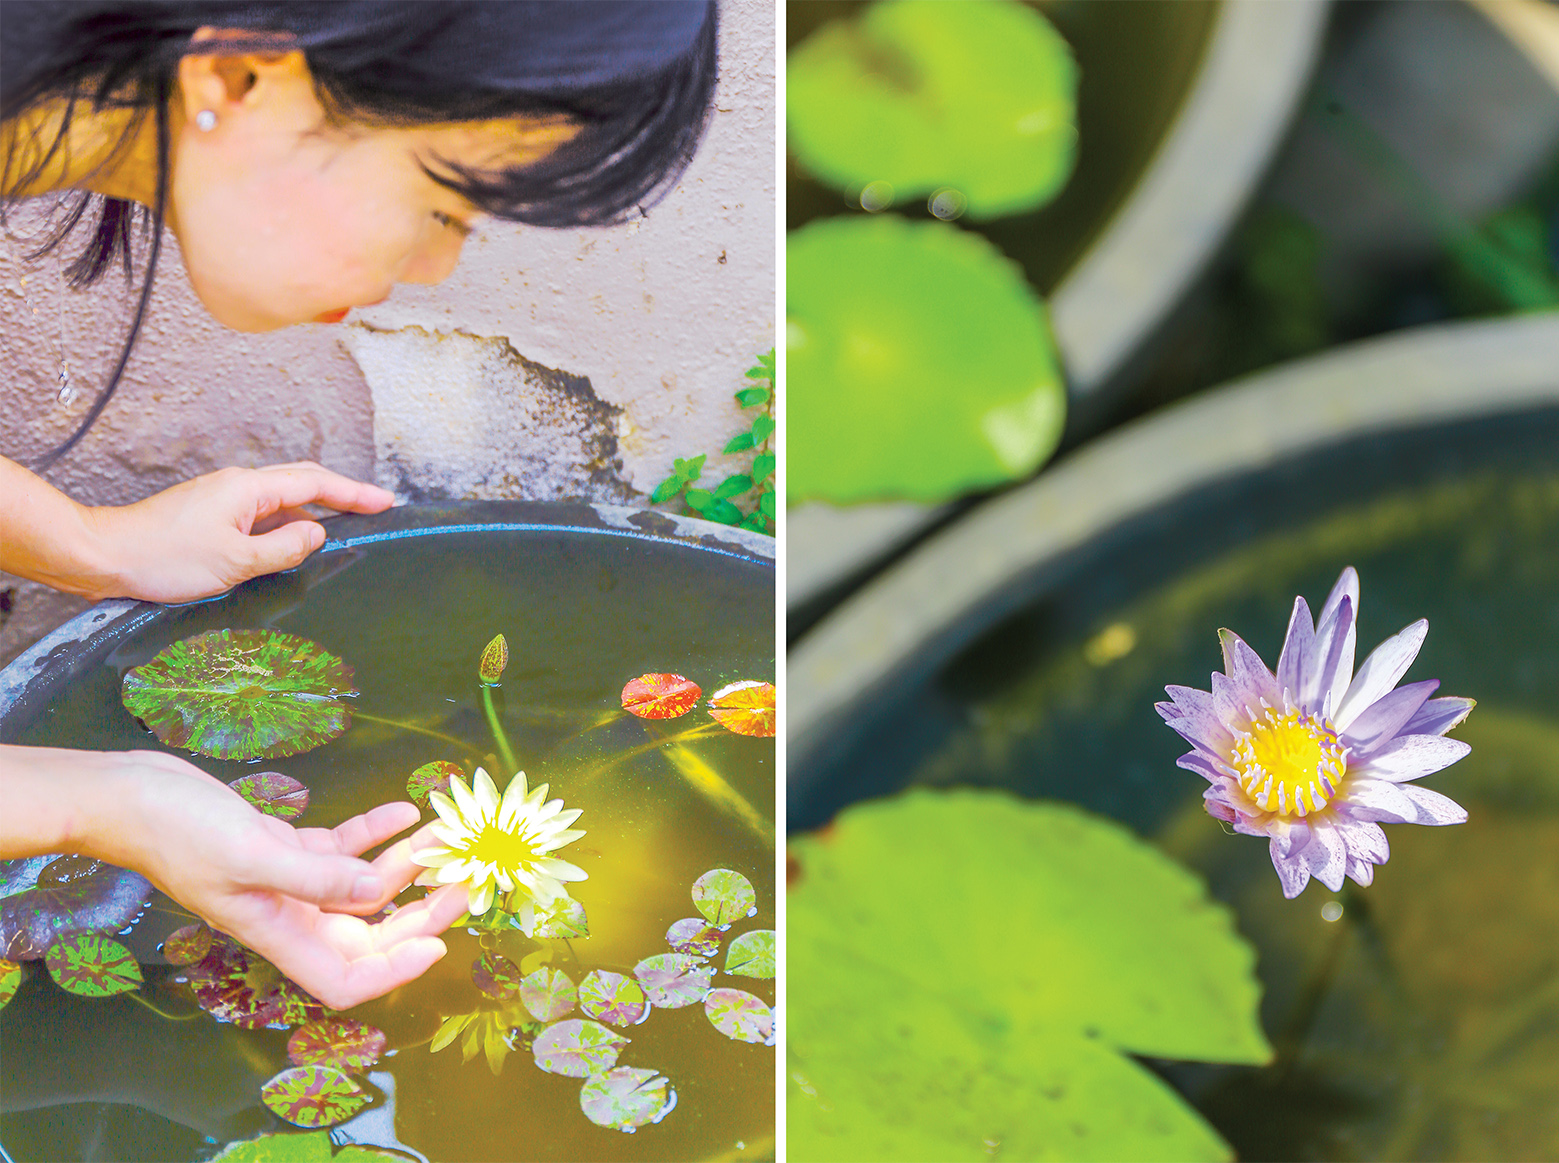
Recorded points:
(192,541)
(288,893)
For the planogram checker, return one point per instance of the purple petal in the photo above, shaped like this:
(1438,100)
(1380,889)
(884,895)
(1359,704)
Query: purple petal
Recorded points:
(1333,659)
(1347,587)
(1437,808)
(1297,646)
(1202,765)
(1366,840)
(1204,731)
(1438,716)
(1392,803)
(1244,666)
(1292,871)
(1378,724)
(1230,702)
(1386,664)
(1411,756)
(1296,839)
(1326,855)
(1362,871)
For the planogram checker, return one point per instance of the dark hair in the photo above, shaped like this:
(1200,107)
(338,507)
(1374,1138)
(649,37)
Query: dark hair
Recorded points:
(636,76)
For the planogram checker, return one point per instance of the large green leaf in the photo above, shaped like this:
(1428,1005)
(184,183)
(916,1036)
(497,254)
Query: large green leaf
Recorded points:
(46,898)
(92,965)
(242,694)
(313,1096)
(968,969)
(921,363)
(978,96)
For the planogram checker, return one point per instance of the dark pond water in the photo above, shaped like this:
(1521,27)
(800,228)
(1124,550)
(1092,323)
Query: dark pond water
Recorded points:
(108,1079)
(1424,1022)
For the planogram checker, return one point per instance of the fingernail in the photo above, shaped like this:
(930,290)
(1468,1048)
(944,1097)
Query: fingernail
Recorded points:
(366,889)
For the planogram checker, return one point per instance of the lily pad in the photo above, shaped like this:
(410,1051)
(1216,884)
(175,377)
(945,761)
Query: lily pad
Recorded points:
(724,896)
(673,980)
(273,793)
(566,920)
(577,1048)
(627,1098)
(10,980)
(963,961)
(752,954)
(92,965)
(548,994)
(612,998)
(235,984)
(303,1147)
(187,945)
(494,661)
(929,339)
(344,1043)
(740,1016)
(313,1096)
(50,897)
(660,696)
(432,777)
(693,935)
(496,976)
(242,694)
(978,96)
(746,708)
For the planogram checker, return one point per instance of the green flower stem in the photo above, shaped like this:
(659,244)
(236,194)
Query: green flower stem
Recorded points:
(511,765)
(404,726)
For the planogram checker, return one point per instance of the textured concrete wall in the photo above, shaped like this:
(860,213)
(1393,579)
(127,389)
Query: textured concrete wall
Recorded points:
(552,363)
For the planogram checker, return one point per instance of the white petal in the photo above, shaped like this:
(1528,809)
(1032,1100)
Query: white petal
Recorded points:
(554,842)
(1378,799)
(1412,756)
(486,793)
(446,809)
(470,810)
(559,869)
(480,898)
(455,871)
(504,881)
(434,857)
(1434,808)
(1381,671)
(513,799)
(456,837)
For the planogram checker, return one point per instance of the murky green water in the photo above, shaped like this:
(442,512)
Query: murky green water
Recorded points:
(107,1079)
(1424,1023)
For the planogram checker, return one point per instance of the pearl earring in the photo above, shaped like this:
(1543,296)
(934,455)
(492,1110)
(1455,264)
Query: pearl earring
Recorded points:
(206,119)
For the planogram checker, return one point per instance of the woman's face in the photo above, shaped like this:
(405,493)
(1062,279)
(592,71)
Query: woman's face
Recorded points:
(283,218)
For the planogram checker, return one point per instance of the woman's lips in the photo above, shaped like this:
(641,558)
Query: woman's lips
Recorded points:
(332,316)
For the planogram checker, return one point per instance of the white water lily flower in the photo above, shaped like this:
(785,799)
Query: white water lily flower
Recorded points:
(495,845)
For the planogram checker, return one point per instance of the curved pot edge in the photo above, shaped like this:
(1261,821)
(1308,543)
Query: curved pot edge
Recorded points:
(1420,377)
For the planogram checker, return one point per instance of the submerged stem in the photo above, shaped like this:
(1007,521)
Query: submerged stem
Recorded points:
(136,994)
(429,732)
(710,784)
(511,765)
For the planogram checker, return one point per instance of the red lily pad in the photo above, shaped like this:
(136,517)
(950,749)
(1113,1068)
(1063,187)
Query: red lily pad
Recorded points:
(313,1096)
(673,980)
(627,1098)
(242,694)
(188,945)
(46,898)
(10,980)
(724,896)
(495,659)
(577,1048)
(344,1043)
(548,994)
(693,935)
(432,777)
(752,954)
(740,1016)
(660,696)
(237,985)
(496,976)
(612,998)
(273,793)
(92,965)
(746,708)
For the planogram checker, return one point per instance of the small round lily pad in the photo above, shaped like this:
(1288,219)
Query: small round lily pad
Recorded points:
(273,793)
(746,707)
(432,777)
(577,1048)
(612,998)
(660,696)
(234,984)
(187,945)
(496,976)
(627,1098)
(724,896)
(313,1096)
(242,694)
(752,954)
(548,994)
(673,980)
(693,935)
(10,980)
(344,1043)
(92,965)
(739,1015)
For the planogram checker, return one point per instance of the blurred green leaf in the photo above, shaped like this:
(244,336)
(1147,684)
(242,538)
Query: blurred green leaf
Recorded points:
(733,486)
(766,503)
(699,499)
(667,489)
(738,443)
(752,397)
(762,465)
(762,428)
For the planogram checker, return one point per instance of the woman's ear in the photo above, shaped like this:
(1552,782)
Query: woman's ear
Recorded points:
(220,86)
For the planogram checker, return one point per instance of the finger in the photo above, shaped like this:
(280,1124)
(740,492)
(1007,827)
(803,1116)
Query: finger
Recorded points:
(281,517)
(377,974)
(425,918)
(375,826)
(284,548)
(331,962)
(395,864)
(288,486)
(318,878)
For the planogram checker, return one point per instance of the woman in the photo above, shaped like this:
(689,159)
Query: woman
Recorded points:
(308,156)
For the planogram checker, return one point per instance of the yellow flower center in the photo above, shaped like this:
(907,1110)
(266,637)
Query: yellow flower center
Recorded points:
(493,845)
(1289,763)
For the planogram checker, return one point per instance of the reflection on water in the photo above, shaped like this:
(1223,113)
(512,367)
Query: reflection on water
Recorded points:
(111,1080)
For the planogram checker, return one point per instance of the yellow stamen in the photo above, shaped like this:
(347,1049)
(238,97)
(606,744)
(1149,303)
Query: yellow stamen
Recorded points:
(1289,763)
(509,850)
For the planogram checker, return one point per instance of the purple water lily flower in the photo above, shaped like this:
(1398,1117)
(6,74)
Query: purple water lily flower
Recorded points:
(1316,757)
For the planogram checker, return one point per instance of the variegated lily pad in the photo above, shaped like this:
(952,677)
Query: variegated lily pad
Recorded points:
(496,976)
(612,998)
(242,694)
(313,1096)
(46,898)
(693,935)
(237,985)
(724,896)
(303,1147)
(626,1098)
(673,980)
(567,920)
(752,954)
(273,793)
(548,994)
(10,980)
(432,777)
(188,945)
(92,965)
(660,696)
(577,1048)
(740,1016)
(344,1043)
(747,708)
